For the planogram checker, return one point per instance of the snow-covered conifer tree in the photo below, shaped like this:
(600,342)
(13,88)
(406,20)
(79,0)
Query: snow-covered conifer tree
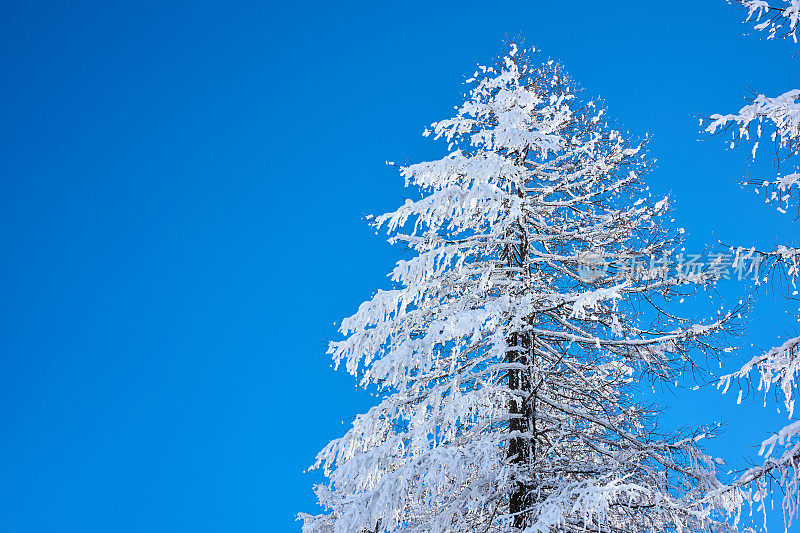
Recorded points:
(776,119)
(508,351)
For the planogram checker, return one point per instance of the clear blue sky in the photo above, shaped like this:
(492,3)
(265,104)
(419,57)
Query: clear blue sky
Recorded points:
(183,186)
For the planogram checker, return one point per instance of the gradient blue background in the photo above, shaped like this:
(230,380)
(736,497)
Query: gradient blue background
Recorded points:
(183,186)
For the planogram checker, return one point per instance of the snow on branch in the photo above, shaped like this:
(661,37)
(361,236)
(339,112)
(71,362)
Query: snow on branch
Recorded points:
(777,118)
(778,18)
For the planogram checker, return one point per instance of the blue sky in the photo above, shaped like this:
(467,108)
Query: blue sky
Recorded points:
(181,222)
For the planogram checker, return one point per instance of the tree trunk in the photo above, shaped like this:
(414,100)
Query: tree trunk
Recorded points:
(520,447)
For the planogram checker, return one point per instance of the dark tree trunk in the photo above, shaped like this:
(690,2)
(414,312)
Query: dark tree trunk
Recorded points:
(520,448)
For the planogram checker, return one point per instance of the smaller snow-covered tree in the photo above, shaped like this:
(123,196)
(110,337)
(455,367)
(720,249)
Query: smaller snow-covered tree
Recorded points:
(777,120)
(507,369)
